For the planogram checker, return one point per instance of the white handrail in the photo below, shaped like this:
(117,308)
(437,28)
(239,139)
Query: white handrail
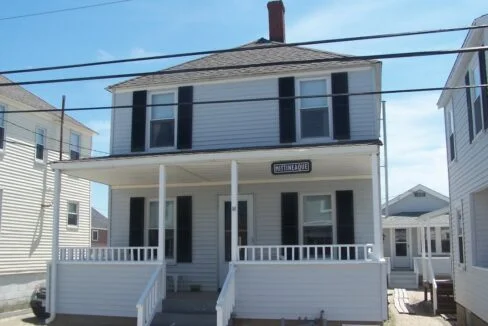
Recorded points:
(416,271)
(388,269)
(227,298)
(151,297)
(434,286)
(108,254)
(337,252)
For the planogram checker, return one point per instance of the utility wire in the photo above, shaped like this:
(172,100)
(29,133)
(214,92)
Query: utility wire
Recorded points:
(250,48)
(42,13)
(259,99)
(31,146)
(52,138)
(254,65)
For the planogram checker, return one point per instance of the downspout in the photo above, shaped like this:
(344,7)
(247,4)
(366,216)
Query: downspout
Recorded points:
(55,246)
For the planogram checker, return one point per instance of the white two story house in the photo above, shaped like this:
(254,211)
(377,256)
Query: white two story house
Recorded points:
(29,142)
(466,121)
(272,205)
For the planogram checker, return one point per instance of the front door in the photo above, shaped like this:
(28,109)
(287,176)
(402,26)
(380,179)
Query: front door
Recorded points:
(401,248)
(244,230)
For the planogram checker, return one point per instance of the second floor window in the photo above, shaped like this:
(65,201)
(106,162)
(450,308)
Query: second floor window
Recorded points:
(2,127)
(314,112)
(72,214)
(162,122)
(476,100)
(450,131)
(40,143)
(74,146)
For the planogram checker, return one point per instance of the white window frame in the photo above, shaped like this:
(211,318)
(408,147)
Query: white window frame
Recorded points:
(460,234)
(301,217)
(472,69)
(44,154)
(97,237)
(2,125)
(148,120)
(298,109)
(73,226)
(146,226)
(72,146)
(438,241)
(451,130)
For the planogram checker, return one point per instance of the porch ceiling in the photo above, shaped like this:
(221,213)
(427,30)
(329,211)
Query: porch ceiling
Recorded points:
(217,171)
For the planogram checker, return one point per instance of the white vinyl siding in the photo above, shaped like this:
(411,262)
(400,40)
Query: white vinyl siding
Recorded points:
(248,124)
(267,219)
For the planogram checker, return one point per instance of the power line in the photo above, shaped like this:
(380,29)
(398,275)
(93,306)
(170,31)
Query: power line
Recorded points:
(42,13)
(30,146)
(55,139)
(260,99)
(250,48)
(254,65)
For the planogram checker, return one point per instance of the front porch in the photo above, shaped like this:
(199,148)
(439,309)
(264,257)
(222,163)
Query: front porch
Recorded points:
(226,222)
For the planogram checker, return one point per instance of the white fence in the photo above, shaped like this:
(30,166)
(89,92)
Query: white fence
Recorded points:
(227,298)
(109,254)
(151,297)
(353,252)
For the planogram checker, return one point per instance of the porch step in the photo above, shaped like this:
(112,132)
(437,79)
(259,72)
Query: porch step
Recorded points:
(200,303)
(445,297)
(403,279)
(184,319)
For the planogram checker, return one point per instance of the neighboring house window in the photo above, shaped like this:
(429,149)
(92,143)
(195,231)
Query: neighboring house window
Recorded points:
(460,234)
(73,213)
(2,127)
(445,240)
(476,101)
(440,238)
(317,220)
(95,235)
(432,240)
(74,146)
(153,231)
(314,113)
(450,131)
(419,193)
(40,143)
(162,123)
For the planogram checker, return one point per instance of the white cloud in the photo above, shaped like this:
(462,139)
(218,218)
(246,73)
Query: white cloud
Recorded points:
(416,144)
(103,55)
(101,142)
(141,52)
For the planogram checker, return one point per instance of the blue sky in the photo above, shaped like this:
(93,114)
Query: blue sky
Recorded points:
(149,27)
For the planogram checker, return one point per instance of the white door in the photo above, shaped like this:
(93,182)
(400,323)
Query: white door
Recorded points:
(244,231)
(401,254)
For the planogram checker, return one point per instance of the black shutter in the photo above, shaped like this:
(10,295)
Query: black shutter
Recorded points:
(469,107)
(484,90)
(289,221)
(340,106)
(136,222)
(345,221)
(138,136)
(184,229)
(286,88)
(2,137)
(185,117)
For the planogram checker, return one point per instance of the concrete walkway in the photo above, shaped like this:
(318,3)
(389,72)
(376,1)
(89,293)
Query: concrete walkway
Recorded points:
(423,312)
(20,320)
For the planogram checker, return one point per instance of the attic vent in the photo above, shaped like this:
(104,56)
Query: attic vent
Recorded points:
(419,193)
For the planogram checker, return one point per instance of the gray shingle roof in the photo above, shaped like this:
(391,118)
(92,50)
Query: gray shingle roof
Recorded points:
(21,95)
(265,55)
(99,221)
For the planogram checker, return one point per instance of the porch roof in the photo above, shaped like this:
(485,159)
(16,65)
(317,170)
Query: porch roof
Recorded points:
(329,161)
(435,218)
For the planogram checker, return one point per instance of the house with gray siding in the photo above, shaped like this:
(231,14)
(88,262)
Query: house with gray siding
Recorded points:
(29,142)
(466,125)
(270,208)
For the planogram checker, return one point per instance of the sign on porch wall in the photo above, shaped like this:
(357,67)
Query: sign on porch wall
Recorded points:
(291,167)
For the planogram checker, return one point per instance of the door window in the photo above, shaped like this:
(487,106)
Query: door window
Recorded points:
(401,242)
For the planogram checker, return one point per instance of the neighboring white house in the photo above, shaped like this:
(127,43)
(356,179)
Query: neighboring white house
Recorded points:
(28,143)
(273,206)
(408,212)
(466,121)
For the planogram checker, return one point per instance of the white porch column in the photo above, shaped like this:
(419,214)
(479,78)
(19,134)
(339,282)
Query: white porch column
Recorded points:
(429,242)
(162,212)
(377,224)
(55,244)
(422,244)
(234,207)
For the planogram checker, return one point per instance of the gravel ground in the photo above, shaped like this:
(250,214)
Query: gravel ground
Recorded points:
(423,316)
(21,320)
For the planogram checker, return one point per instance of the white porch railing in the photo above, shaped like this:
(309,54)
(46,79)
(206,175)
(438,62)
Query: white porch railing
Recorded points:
(108,254)
(227,298)
(416,270)
(434,285)
(352,252)
(152,297)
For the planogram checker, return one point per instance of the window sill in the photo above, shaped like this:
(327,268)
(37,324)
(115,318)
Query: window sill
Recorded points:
(39,162)
(72,227)
(315,140)
(161,149)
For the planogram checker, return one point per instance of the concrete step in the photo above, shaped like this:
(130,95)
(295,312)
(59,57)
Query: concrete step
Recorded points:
(403,279)
(184,319)
(190,303)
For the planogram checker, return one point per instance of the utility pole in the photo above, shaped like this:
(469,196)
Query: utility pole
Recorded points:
(385,153)
(63,101)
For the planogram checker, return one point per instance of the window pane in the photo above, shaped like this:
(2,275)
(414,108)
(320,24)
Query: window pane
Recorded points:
(317,235)
(477,115)
(401,235)
(169,244)
(432,241)
(72,219)
(72,208)
(401,249)
(314,123)
(313,87)
(75,140)
(40,134)
(162,112)
(2,109)
(154,215)
(451,120)
(317,210)
(170,214)
(476,81)
(461,249)
(162,133)
(445,240)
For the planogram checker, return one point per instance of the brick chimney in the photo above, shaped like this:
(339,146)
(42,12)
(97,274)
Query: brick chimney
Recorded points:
(276,11)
